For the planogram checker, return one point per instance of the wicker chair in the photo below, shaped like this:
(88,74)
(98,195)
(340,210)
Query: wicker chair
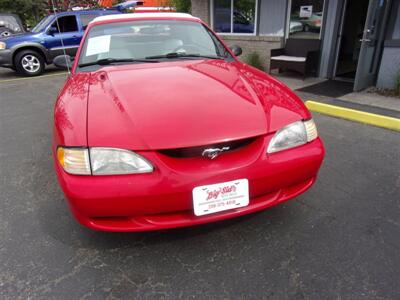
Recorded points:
(299,55)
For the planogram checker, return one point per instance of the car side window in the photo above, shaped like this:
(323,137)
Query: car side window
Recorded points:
(66,24)
(86,19)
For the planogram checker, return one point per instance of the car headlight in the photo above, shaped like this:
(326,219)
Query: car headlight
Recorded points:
(107,161)
(293,135)
(102,161)
(2,45)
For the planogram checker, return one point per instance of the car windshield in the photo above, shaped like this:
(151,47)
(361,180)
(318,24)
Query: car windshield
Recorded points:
(42,24)
(10,22)
(147,40)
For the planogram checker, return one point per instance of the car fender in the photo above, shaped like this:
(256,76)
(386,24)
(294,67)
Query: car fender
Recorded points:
(31,45)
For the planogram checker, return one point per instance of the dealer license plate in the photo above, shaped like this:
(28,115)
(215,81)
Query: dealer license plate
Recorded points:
(209,199)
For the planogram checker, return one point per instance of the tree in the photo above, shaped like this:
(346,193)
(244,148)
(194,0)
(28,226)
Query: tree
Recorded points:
(30,11)
(181,5)
(68,4)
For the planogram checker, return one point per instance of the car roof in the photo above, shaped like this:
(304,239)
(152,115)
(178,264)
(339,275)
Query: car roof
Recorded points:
(8,15)
(144,16)
(87,11)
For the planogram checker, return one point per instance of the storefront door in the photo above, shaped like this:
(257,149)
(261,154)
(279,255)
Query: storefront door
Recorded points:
(371,44)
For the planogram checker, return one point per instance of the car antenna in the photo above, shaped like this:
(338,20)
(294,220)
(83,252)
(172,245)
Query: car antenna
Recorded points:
(61,38)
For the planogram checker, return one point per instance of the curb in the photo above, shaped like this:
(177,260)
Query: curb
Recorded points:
(354,115)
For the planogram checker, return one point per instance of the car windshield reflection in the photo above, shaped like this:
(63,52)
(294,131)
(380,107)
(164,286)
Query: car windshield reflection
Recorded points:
(140,40)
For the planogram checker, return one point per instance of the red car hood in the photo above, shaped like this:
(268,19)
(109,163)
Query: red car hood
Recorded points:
(182,104)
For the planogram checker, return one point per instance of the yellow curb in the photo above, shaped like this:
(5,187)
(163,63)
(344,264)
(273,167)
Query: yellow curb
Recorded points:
(30,78)
(354,115)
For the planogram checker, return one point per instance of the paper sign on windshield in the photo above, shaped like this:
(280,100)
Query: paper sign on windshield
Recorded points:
(98,44)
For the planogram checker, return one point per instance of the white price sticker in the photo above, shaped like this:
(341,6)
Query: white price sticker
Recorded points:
(98,44)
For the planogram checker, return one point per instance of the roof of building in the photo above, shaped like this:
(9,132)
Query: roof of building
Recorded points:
(152,15)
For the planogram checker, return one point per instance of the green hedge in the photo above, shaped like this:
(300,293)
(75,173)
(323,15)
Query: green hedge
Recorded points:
(254,60)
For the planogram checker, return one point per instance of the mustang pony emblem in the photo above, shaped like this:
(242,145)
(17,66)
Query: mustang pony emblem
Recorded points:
(212,153)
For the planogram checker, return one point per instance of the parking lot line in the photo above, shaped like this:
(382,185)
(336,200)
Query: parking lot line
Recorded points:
(30,78)
(354,115)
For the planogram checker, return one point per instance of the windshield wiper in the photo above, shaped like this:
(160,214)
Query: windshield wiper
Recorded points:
(109,61)
(184,55)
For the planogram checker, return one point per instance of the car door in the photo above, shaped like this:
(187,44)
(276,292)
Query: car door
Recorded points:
(63,35)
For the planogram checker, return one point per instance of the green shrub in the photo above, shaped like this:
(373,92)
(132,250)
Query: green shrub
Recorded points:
(254,60)
(397,84)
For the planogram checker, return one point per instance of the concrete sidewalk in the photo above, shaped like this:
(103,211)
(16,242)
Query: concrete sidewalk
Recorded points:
(363,98)
(365,107)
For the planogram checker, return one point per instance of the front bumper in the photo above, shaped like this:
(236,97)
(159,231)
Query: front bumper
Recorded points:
(5,58)
(163,199)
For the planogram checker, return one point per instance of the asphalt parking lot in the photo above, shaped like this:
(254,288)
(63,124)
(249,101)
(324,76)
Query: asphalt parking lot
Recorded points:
(340,240)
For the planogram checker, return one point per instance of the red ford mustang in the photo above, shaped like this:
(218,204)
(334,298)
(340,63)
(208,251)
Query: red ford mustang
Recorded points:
(160,126)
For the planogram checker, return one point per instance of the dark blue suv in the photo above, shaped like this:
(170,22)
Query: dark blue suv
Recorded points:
(28,53)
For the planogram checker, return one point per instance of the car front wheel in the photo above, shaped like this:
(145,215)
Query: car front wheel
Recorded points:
(29,63)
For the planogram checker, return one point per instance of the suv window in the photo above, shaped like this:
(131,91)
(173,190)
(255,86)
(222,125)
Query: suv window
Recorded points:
(67,24)
(87,18)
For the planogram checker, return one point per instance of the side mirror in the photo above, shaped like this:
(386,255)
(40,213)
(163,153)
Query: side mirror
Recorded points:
(63,62)
(237,51)
(52,30)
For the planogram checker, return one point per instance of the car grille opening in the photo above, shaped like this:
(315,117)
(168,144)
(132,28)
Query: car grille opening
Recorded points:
(198,151)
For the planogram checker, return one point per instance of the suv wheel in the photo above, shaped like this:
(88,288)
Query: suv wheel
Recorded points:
(29,63)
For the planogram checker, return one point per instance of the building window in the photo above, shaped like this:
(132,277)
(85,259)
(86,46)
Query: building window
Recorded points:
(272,18)
(306,19)
(234,16)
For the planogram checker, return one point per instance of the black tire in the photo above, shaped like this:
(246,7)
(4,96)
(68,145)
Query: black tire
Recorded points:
(5,32)
(29,63)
